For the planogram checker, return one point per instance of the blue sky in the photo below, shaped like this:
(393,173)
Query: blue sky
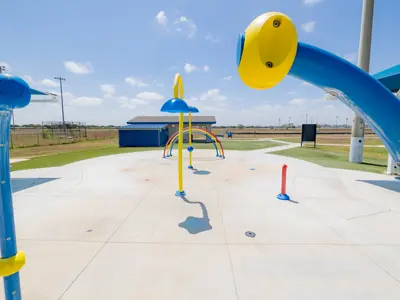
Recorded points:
(119,57)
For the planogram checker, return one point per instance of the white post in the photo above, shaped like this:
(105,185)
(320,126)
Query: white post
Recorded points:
(357,132)
(391,166)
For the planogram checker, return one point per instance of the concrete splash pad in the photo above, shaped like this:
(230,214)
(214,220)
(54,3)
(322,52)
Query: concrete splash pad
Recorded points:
(112,228)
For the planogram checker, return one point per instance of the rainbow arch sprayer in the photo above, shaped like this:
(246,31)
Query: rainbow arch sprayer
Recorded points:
(174,138)
(269,50)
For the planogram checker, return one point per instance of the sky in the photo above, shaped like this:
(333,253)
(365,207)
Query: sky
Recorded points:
(119,57)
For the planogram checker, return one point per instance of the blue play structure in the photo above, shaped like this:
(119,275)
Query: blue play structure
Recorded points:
(200,133)
(14,93)
(269,50)
(357,89)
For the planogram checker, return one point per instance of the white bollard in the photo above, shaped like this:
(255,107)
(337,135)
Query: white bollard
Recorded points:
(391,166)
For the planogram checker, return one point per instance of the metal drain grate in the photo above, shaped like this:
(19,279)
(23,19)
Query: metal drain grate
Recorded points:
(250,234)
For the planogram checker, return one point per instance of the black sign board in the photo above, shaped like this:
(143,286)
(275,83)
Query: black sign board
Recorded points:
(309,133)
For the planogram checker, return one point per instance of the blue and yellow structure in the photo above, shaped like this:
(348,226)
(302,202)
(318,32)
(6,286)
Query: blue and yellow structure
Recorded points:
(192,109)
(178,105)
(14,93)
(269,50)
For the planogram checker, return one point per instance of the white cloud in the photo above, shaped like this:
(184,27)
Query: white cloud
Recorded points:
(28,79)
(48,82)
(212,39)
(210,100)
(261,109)
(131,103)
(86,101)
(312,2)
(189,68)
(128,105)
(135,82)
(186,26)
(68,95)
(162,19)
(329,107)
(157,83)
(183,24)
(108,89)
(227,78)
(351,57)
(149,96)
(213,94)
(298,101)
(139,101)
(318,100)
(122,98)
(78,68)
(309,26)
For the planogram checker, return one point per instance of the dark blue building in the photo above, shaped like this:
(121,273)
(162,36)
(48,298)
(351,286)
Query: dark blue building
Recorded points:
(143,135)
(154,131)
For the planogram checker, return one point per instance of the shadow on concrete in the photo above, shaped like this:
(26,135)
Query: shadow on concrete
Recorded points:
(20,184)
(386,184)
(195,225)
(372,164)
(201,172)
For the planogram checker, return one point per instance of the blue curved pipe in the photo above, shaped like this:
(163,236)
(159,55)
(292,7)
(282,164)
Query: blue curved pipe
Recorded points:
(203,134)
(356,88)
(14,93)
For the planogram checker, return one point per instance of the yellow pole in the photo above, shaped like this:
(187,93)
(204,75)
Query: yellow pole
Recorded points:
(180,146)
(190,140)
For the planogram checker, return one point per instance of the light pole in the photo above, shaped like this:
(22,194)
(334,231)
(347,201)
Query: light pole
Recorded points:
(306,118)
(279,122)
(62,101)
(311,119)
(289,119)
(364,52)
(346,122)
(337,117)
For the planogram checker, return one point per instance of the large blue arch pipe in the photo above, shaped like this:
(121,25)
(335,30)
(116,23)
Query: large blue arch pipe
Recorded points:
(356,88)
(203,134)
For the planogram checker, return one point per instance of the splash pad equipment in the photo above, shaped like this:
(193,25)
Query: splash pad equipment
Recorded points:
(178,105)
(14,93)
(269,50)
(173,139)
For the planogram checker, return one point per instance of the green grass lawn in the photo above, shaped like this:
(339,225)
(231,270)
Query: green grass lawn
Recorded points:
(61,156)
(331,139)
(240,145)
(375,159)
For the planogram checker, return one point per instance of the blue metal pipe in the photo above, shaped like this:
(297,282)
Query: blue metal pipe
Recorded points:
(356,88)
(8,243)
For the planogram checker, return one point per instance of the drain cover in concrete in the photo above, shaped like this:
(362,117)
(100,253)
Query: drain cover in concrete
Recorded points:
(250,234)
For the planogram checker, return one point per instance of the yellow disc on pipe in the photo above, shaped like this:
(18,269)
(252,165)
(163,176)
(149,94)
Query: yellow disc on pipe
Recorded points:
(267,50)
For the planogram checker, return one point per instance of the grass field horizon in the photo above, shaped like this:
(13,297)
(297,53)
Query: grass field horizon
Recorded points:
(86,150)
(374,158)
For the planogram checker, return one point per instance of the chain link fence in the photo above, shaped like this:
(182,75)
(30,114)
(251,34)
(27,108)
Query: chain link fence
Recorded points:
(21,139)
